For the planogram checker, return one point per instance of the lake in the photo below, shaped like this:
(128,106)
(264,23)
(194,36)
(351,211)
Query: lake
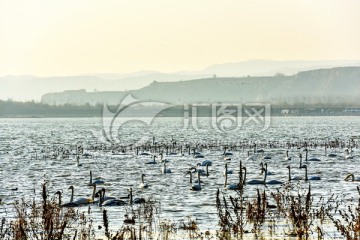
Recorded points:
(30,154)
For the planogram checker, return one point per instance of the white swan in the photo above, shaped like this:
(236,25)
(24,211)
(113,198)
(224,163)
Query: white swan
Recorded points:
(301,165)
(82,200)
(190,173)
(145,154)
(206,162)
(97,182)
(312,178)
(135,200)
(227,171)
(206,173)
(348,155)
(165,170)
(143,184)
(294,178)
(227,153)
(109,202)
(273,181)
(163,160)
(251,157)
(104,197)
(287,156)
(201,171)
(153,161)
(254,181)
(263,169)
(197,154)
(78,162)
(313,159)
(231,186)
(69,204)
(351,178)
(196,186)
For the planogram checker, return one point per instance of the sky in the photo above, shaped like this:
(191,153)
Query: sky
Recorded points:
(72,37)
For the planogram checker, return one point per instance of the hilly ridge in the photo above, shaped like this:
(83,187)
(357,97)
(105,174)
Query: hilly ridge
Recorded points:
(341,84)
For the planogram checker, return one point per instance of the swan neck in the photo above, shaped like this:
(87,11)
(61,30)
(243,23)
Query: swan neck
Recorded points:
(94,190)
(131,197)
(265,174)
(59,198)
(101,198)
(225,178)
(244,180)
(289,174)
(350,176)
(266,167)
(72,195)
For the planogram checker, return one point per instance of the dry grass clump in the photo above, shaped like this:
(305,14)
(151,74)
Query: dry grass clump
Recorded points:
(45,220)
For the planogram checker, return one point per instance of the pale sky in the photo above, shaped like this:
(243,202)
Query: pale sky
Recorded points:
(70,37)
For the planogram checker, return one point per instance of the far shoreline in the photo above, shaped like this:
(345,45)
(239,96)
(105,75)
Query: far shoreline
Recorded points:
(167,116)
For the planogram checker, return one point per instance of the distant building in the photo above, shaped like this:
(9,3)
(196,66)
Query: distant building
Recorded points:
(352,110)
(285,111)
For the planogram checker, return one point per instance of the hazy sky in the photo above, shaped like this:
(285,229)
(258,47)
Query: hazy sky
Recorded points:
(66,37)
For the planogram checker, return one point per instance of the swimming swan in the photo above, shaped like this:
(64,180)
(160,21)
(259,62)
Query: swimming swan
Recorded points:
(196,186)
(97,182)
(351,178)
(143,184)
(313,178)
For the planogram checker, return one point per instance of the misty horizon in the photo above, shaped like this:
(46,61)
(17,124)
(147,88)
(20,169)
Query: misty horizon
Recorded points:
(132,81)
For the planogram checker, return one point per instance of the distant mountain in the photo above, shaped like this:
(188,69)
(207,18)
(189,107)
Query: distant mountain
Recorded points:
(269,68)
(30,87)
(323,85)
